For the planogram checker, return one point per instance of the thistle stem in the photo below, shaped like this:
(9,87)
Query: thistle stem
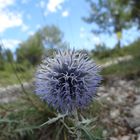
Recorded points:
(77,123)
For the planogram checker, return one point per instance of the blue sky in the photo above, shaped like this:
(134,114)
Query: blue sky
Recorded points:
(21,18)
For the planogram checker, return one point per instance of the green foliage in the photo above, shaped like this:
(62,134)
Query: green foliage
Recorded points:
(130,68)
(136,11)
(132,49)
(52,40)
(108,13)
(103,54)
(30,50)
(41,43)
(1,59)
(95,135)
(8,56)
(8,77)
(52,36)
(112,16)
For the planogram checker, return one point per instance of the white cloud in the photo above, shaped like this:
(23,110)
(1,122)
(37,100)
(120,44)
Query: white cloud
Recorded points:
(54,5)
(5,3)
(9,18)
(11,43)
(65,13)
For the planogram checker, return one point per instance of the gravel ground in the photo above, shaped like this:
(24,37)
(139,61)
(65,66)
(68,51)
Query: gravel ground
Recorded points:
(121,99)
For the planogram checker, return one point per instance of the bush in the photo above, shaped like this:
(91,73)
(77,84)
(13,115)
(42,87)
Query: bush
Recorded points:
(20,68)
(132,49)
(101,52)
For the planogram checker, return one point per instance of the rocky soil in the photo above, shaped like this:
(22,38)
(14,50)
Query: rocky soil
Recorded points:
(121,114)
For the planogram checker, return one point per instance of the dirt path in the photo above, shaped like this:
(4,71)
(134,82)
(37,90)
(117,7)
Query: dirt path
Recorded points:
(117,60)
(10,93)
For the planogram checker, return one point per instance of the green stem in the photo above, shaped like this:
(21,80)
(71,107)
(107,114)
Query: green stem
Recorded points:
(77,123)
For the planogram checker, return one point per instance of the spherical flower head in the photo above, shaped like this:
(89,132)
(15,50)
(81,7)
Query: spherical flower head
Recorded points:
(68,81)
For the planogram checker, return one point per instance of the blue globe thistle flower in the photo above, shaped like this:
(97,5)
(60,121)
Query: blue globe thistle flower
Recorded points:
(68,81)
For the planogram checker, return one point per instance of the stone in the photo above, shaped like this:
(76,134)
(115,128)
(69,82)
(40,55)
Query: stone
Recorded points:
(137,130)
(136,111)
(138,138)
(112,90)
(137,90)
(133,122)
(109,99)
(113,138)
(104,133)
(122,83)
(114,113)
(125,138)
(137,100)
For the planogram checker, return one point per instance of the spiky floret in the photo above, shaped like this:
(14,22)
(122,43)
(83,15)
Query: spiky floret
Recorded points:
(68,81)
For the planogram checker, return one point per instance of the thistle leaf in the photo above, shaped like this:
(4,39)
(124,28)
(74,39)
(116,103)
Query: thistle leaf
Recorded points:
(53,120)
